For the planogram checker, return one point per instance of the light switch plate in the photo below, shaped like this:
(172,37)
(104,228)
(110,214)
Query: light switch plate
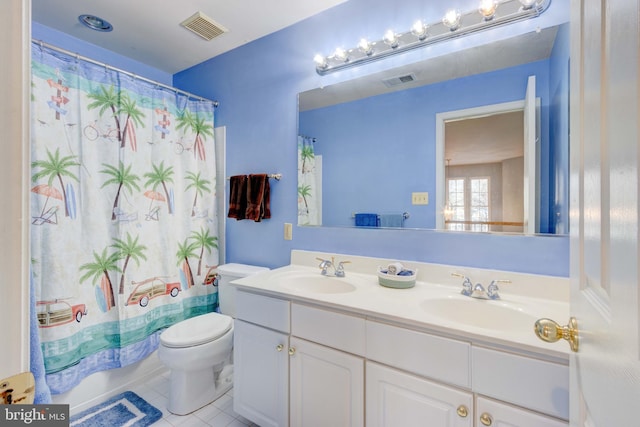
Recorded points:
(420,198)
(288,231)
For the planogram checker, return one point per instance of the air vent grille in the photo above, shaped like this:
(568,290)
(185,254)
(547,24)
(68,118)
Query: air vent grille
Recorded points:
(400,80)
(203,26)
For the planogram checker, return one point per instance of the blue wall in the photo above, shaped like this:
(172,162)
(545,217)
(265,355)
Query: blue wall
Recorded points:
(393,135)
(257,85)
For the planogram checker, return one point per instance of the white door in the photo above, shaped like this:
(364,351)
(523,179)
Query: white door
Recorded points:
(327,386)
(261,374)
(605,372)
(530,142)
(396,398)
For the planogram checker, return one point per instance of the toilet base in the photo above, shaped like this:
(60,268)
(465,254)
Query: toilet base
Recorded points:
(191,390)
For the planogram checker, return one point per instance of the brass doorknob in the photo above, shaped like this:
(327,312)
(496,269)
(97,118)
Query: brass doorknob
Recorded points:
(279,347)
(292,351)
(550,331)
(462,411)
(486,419)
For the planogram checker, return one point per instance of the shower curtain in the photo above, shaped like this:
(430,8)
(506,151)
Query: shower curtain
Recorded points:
(309,183)
(123,226)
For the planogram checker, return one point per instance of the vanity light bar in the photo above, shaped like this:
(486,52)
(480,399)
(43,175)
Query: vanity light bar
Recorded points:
(506,12)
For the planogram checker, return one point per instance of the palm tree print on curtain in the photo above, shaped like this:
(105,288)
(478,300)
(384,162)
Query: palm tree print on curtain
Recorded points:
(309,197)
(200,127)
(131,204)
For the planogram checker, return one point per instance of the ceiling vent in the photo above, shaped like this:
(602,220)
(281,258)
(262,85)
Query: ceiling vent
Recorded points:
(203,26)
(400,80)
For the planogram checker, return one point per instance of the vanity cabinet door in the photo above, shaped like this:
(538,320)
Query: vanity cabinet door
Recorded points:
(327,386)
(496,414)
(396,398)
(261,374)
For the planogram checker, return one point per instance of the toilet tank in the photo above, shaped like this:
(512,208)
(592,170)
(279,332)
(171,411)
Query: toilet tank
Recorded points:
(226,292)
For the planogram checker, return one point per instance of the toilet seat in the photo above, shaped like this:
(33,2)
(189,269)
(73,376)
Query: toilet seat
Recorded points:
(196,330)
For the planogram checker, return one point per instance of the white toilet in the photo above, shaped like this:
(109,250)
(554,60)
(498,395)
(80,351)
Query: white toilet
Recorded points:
(198,350)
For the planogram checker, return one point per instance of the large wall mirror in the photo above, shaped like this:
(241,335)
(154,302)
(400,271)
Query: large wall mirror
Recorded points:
(461,142)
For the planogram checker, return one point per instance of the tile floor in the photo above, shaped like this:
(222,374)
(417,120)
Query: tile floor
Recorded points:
(217,414)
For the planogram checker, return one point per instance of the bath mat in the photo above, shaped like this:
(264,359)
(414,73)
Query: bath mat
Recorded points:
(126,409)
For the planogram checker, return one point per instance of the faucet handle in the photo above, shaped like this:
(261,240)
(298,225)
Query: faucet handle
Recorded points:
(462,276)
(324,264)
(340,268)
(467,286)
(492,290)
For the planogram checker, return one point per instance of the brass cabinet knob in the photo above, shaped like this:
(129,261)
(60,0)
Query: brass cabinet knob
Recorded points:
(462,411)
(279,347)
(486,419)
(550,331)
(292,351)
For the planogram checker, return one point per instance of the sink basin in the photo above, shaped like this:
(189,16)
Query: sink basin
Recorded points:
(485,314)
(313,283)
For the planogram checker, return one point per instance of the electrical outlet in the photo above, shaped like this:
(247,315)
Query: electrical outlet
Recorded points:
(420,198)
(288,231)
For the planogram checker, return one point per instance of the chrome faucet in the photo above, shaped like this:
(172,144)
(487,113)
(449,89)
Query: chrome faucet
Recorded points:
(467,286)
(325,264)
(477,290)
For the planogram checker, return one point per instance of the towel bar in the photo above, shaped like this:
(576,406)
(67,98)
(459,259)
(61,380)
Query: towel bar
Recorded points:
(275,176)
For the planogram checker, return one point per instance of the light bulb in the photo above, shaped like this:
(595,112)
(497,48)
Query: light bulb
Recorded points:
(488,8)
(391,38)
(452,19)
(365,46)
(528,4)
(321,61)
(419,29)
(341,54)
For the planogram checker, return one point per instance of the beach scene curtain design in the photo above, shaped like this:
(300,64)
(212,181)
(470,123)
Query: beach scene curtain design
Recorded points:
(309,184)
(123,226)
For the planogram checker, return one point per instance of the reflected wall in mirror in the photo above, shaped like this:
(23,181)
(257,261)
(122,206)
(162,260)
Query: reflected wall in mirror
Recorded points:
(376,135)
(484,181)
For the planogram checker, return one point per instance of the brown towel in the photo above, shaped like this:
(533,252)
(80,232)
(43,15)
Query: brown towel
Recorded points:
(258,194)
(238,197)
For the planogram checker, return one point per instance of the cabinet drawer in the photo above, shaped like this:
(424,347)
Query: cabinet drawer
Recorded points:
(424,354)
(337,330)
(263,310)
(535,384)
(506,415)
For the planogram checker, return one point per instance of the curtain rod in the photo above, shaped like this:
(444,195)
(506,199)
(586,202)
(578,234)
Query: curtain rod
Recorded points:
(119,70)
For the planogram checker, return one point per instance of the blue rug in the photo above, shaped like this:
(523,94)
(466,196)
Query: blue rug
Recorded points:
(126,409)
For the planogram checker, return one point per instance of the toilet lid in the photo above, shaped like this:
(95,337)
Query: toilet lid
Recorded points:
(196,330)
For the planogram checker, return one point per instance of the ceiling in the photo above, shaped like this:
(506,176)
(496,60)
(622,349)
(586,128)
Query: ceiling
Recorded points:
(149,31)
(487,139)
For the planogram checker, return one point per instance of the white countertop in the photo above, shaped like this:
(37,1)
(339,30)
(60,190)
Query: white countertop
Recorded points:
(528,296)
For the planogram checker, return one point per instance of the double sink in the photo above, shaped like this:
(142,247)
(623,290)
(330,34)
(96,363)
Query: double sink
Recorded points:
(439,306)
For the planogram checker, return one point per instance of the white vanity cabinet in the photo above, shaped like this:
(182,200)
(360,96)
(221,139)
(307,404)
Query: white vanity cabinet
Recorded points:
(261,359)
(326,367)
(401,398)
(309,378)
(326,386)
(442,376)
(261,372)
(301,364)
